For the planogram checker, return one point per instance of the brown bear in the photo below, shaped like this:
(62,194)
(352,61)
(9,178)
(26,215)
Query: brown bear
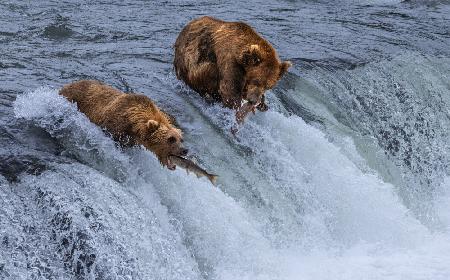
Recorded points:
(227,62)
(132,119)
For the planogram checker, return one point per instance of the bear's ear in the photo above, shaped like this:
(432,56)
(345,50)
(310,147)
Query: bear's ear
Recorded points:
(251,56)
(152,125)
(172,119)
(284,67)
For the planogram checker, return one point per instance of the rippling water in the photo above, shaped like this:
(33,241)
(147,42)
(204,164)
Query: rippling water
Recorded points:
(346,176)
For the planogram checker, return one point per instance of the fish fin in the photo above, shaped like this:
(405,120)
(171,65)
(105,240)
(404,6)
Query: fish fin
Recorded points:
(213,179)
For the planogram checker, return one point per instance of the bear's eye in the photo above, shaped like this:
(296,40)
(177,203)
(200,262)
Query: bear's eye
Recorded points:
(171,140)
(256,82)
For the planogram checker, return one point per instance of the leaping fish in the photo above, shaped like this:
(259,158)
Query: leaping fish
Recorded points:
(243,111)
(189,165)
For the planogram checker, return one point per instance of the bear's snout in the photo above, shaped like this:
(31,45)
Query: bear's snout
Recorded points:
(184,152)
(253,92)
(254,97)
(254,100)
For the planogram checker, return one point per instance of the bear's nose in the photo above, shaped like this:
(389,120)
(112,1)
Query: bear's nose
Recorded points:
(253,100)
(184,151)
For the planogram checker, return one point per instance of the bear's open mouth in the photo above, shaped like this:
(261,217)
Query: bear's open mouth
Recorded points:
(248,102)
(170,164)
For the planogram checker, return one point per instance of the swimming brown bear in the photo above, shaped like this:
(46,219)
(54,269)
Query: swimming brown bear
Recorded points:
(132,119)
(227,62)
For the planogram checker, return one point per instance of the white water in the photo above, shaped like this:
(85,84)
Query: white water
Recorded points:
(290,205)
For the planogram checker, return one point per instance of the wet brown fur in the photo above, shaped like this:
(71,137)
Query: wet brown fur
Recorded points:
(132,119)
(227,61)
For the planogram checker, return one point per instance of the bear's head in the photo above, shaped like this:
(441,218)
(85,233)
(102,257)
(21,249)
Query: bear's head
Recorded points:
(164,140)
(262,68)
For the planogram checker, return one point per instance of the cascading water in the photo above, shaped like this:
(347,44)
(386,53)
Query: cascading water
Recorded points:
(345,177)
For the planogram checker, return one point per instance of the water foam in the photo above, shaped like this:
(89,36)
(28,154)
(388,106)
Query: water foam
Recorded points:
(290,204)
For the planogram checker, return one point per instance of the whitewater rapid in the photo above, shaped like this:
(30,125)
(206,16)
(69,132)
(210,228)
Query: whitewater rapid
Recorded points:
(290,205)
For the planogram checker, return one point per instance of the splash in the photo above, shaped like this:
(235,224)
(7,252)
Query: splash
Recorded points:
(288,199)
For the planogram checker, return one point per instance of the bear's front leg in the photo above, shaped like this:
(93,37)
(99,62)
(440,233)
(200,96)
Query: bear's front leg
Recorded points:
(230,87)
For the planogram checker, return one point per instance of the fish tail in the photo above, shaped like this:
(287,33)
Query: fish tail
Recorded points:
(213,179)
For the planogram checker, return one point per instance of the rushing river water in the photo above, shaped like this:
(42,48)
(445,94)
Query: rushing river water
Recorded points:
(345,177)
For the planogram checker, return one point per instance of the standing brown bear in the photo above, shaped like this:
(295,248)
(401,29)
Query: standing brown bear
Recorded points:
(132,119)
(227,62)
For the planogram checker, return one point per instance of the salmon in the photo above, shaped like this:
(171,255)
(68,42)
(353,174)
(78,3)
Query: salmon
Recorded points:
(189,165)
(243,112)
